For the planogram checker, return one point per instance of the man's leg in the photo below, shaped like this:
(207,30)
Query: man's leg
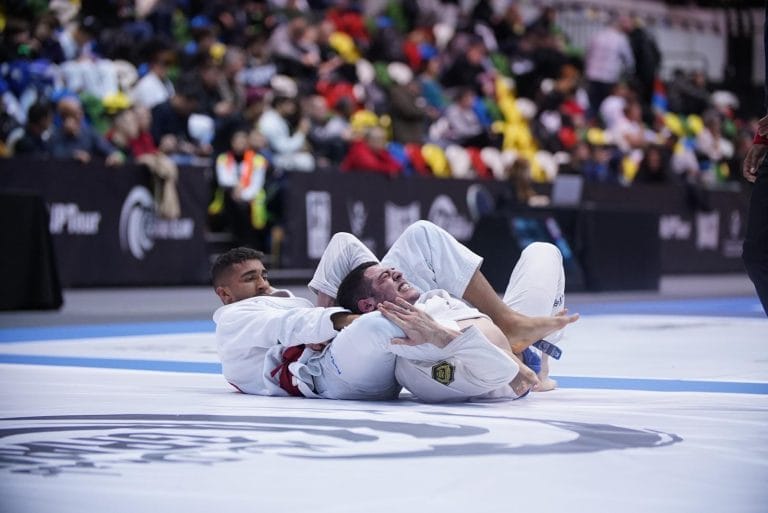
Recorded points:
(537,288)
(431,258)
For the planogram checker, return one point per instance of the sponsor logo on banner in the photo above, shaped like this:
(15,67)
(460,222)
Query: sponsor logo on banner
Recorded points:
(358,215)
(318,222)
(732,246)
(358,218)
(444,214)
(68,218)
(707,230)
(674,227)
(140,227)
(397,218)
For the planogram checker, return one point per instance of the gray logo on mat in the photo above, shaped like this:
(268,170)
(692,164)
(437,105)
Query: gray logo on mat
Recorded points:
(106,443)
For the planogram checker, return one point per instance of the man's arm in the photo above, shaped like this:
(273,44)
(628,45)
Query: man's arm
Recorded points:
(462,364)
(432,258)
(757,152)
(344,253)
(265,322)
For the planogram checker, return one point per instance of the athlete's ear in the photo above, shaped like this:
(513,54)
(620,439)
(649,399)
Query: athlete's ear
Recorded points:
(224,295)
(366,305)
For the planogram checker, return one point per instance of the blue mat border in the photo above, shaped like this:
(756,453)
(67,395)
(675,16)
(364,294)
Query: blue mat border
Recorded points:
(596,383)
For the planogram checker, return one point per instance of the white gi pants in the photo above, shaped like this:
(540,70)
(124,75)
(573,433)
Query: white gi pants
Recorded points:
(536,288)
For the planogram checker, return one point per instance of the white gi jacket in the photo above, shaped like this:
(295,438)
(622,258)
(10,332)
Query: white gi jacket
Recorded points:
(251,335)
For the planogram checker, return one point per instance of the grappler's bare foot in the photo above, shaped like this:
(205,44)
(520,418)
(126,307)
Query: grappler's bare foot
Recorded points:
(525,381)
(545,382)
(522,331)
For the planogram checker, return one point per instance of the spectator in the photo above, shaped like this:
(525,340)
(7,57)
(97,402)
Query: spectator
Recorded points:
(230,86)
(75,139)
(688,95)
(468,68)
(464,125)
(613,106)
(628,131)
(259,68)
(609,55)
(241,173)
(80,41)
(647,60)
(294,48)
(288,147)
(654,166)
(130,132)
(45,45)
(431,88)
(602,166)
(409,111)
(170,121)
(328,133)
(370,154)
(155,87)
(711,146)
(37,132)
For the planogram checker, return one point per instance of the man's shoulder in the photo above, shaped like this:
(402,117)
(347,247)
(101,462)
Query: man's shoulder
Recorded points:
(261,303)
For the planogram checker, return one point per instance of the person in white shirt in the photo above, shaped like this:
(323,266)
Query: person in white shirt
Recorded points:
(155,87)
(609,54)
(288,148)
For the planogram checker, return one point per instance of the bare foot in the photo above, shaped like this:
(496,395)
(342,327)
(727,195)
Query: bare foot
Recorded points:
(525,380)
(545,382)
(522,331)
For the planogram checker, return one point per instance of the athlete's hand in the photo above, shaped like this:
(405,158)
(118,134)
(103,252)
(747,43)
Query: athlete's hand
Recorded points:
(753,159)
(418,325)
(341,320)
(317,347)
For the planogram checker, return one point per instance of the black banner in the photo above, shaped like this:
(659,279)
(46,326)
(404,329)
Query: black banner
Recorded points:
(701,238)
(103,224)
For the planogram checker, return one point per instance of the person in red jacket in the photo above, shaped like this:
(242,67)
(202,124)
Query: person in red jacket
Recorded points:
(370,154)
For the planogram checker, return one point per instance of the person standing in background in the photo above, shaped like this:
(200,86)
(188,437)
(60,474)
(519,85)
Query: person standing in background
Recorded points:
(755,253)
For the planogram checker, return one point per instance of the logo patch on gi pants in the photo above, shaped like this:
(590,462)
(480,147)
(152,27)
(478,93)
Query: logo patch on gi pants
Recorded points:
(443,373)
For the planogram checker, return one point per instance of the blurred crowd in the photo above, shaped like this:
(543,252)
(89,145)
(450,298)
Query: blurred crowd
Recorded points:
(256,89)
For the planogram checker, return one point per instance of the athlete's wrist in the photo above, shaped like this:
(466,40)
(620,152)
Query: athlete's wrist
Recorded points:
(341,320)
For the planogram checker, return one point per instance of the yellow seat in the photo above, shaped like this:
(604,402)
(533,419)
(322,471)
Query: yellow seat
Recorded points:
(436,160)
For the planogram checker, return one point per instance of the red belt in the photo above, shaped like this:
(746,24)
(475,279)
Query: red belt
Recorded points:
(290,355)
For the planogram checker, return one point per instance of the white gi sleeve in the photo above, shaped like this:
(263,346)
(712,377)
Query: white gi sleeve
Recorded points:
(264,322)
(432,258)
(344,253)
(468,368)
(248,331)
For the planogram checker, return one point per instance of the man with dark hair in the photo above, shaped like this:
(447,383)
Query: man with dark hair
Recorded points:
(34,140)
(355,286)
(170,120)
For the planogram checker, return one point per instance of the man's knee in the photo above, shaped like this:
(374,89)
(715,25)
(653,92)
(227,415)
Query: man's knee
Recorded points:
(543,250)
(421,227)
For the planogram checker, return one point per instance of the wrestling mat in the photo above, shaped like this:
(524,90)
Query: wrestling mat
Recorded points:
(662,413)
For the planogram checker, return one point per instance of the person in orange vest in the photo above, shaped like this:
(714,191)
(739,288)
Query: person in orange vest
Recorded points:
(241,173)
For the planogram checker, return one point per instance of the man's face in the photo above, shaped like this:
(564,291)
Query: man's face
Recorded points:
(388,284)
(244,280)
